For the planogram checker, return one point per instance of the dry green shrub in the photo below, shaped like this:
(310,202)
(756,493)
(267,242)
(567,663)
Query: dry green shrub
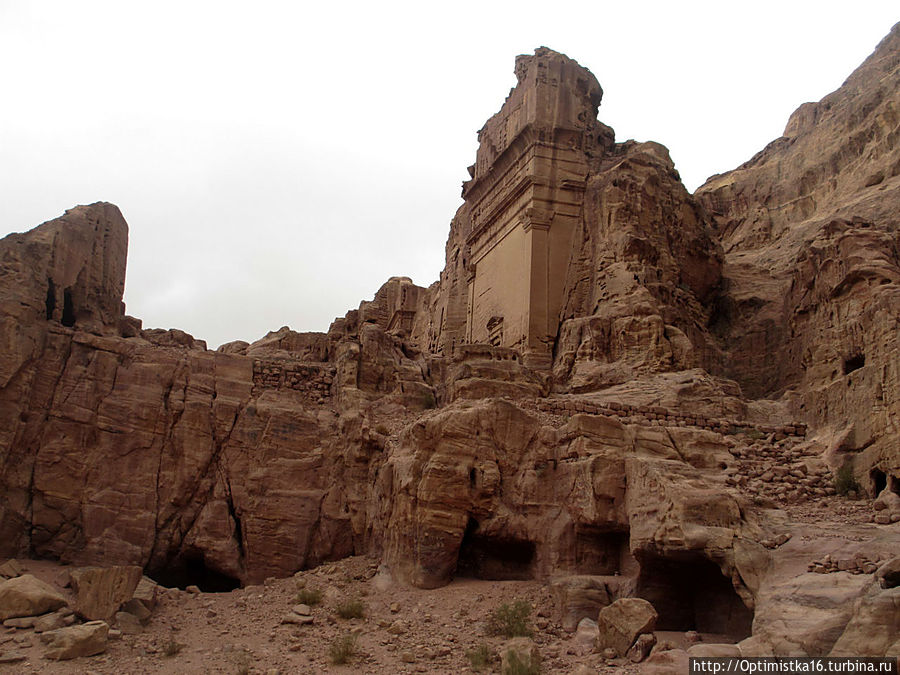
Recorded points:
(352,608)
(479,657)
(510,620)
(342,649)
(309,596)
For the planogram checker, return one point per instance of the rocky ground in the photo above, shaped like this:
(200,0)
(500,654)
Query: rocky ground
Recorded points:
(262,628)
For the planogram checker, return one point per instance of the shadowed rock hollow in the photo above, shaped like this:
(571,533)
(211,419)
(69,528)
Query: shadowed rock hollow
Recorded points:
(615,387)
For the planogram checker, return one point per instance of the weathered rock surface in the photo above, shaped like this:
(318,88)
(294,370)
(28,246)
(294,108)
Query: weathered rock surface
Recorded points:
(622,622)
(557,406)
(100,591)
(28,596)
(874,626)
(85,639)
(811,297)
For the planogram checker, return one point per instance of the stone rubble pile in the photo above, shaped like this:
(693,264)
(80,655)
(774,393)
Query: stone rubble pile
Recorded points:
(782,471)
(37,613)
(859,564)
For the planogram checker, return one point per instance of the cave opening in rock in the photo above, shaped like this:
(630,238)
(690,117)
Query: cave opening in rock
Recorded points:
(68,313)
(855,362)
(191,569)
(879,481)
(494,558)
(691,593)
(50,302)
(599,551)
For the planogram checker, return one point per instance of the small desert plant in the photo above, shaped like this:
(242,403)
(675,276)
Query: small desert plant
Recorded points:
(479,657)
(845,481)
(351,609)
(516,666)
(383,430)
(754,434)
(510,620)
(243,665)
(342,649)
(309,596)
(172,647)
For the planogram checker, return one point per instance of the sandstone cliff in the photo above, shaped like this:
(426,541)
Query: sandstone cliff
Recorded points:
(811,300)
(614,386)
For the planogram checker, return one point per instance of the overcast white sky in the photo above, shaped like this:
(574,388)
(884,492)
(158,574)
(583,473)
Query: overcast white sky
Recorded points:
(277,161)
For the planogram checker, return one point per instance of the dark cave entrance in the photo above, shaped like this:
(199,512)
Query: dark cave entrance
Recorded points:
(494,558)
(68,313)
(854,362)
(691,593)
(599,551)
(879,481)
(50,302)
(190,569)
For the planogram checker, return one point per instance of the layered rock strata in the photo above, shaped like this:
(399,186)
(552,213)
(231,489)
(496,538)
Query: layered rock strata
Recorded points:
(568,402)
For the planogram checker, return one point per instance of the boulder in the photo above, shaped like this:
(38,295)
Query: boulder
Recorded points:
(874,626)
(147,592)
(100,591)
(86,639)
(621,622)
(641,648)
(27,595)
(50,622)
(11,568)
(585,638)
(579,597)
(128,624)
(888,573)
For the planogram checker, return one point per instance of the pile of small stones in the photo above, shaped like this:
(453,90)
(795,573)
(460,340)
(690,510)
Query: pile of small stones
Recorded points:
(777,470)
(859,564)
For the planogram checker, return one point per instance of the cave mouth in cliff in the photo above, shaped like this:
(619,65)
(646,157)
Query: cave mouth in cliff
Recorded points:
(494,558)
(50,302)
(881,480)
(854,362)
(690,592)
(191,569)
(599,551)
(68,313)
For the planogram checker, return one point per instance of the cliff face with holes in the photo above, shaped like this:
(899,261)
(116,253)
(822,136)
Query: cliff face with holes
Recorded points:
(625,424)
(811,296)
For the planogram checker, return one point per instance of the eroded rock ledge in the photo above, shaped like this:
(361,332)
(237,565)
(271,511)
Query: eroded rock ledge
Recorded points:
(655,410)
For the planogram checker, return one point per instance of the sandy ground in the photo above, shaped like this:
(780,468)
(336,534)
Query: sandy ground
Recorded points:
(426,631)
